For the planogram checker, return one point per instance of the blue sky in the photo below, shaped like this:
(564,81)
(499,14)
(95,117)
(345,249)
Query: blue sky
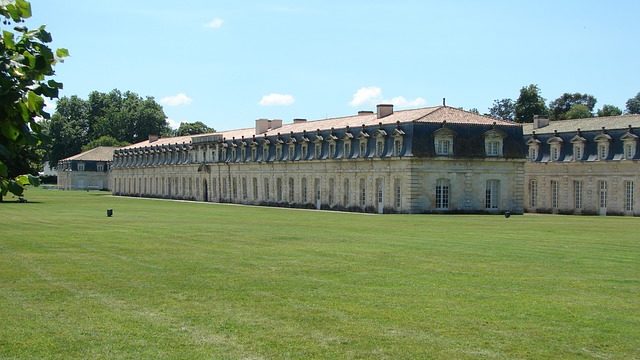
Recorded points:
(227,63)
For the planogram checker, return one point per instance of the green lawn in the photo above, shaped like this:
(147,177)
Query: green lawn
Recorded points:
(166,279)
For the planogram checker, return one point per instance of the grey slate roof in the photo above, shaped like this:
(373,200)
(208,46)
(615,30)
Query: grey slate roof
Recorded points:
(588,124)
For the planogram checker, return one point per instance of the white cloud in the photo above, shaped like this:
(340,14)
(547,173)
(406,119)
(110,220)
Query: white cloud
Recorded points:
(173,123)
(372,95)
(176,100)
(401,101)
(277,99)
(216,23)
(366,95)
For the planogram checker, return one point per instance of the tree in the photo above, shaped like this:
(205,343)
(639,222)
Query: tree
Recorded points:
(633,105)
(105,140)
(121,117)
(609,110)
(578,111)
(474,111)
(25,64)
(503,109)
(560,106)
(193,128)
(530,103)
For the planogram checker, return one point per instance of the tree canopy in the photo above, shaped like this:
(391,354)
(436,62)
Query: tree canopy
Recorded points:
(578,111)
(194,128)
(559,107)
(633,105)
(504,109)
(530,103)
(114,117)
(609,110)
(104,140)
(26,65)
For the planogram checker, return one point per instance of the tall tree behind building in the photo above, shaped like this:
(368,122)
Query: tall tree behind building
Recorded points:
(559,107)
(530,103)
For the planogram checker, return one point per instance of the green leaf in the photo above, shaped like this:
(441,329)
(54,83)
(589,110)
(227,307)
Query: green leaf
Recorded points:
(35,102)
(9,131)
(22,180)
(54,84)
(7,37)
(62,53)
(24,7)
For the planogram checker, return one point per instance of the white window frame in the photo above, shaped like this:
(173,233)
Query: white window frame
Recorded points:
(629,192)
(443,191)
(578,186)
(80,166)
(555,193)
(492,194)
(533,193)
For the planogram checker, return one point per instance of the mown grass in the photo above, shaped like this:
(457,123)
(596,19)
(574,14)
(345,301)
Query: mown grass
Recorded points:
(165,279)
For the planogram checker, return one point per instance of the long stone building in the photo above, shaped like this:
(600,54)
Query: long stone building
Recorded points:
(434,159)
(583,166)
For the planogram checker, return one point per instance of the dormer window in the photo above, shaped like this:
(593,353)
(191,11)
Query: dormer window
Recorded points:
(398,136)
(224,154)
(265,153)
(292,152)
(100,167)
(233,155)
(318,150)
(443,141)
(347,149)
(254,153)
(332,150)
(555,147)
(80,166)
(278,152)
(363,147)
(493,140)
(380,147)
(578,147)
(629,141)
(603,141)
(305,151)
(243,154)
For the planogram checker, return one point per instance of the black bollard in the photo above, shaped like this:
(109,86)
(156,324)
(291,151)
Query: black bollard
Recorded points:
(109,212)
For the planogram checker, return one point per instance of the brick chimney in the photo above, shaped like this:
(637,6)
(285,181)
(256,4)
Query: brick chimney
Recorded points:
(384,110)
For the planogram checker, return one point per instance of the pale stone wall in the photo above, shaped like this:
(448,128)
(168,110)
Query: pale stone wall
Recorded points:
(614,172)
(80,180)
(376,185)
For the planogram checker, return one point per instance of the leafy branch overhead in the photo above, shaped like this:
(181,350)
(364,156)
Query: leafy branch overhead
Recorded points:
(26,65)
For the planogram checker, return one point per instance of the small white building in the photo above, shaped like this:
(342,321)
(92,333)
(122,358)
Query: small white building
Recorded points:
(87,170)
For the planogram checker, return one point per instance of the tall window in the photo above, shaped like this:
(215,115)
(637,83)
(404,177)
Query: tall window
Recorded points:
(234,188)
(554,194)
(292,152)
(254,186)
(628,195)
(442,146)
(397,147)
(577,194)
(493,147)
(577,152)
(318,150)
(363,193)
(347,149)
(244,188)
(629,150)
(265,153)
(363,148)
(533,153)
(278,152)
(533,193)
(492,194)
(304,190)
(602,190)
(305,151)
(291,189)
(379,147)
(279,189)
(555,153)
(603,150)
(316,189)
(396,194)
(254,152)
(332,187)
(266,189)
(332,150)
(442,194)
(345,193)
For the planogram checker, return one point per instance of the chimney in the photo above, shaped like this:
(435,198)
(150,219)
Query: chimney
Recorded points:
(361,113)
(153,137)
(539,122)
(384,110)
(264,125)
(298,121)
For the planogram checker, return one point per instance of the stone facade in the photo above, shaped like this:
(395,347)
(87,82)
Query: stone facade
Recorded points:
(87,170)
(583,166)
(436,159)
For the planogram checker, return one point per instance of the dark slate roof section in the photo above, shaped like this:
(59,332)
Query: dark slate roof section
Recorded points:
(101,153)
